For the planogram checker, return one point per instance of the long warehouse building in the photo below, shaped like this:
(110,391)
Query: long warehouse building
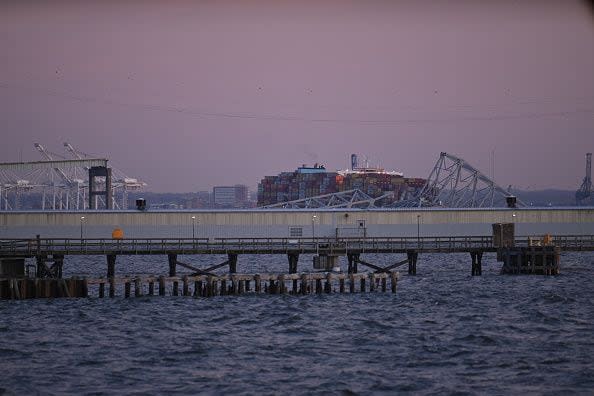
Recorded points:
(258,223)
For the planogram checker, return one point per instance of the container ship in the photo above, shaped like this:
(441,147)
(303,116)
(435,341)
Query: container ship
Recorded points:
(306,182)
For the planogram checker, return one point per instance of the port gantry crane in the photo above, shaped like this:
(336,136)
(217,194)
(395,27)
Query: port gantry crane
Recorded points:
(71,182)
(585,190)
(120,181)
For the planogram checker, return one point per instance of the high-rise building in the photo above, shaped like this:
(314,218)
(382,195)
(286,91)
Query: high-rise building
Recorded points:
(230,196)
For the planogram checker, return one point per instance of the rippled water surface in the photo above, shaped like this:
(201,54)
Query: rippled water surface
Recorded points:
(442,332)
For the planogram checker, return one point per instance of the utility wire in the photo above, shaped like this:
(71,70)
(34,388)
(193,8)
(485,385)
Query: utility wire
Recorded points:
(266,117)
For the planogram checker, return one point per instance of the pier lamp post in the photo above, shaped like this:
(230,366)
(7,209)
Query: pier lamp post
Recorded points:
(193,227)
(418,231)
(313,227)
(82,219)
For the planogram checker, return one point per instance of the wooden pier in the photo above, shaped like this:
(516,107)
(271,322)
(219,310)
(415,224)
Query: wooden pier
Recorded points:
(199,286)
(50,253)
(524,255)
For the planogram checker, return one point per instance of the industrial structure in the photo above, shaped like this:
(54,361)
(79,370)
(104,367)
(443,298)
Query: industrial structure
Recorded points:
(584,193)
(454,183)
(59,183)
(369,187)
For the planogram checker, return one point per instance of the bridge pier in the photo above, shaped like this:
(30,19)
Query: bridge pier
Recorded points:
(412,257)
(293,260)
(232,263)
(111,260)
(477,266)
(353,261)
(172,257)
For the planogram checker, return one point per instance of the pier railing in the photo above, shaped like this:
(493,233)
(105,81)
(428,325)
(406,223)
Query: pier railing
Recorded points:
(147,246)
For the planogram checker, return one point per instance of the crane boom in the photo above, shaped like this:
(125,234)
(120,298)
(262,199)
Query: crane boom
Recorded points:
(48,157)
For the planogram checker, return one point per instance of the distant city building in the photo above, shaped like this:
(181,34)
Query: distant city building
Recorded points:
(230,196)
(202,200)
(307,182)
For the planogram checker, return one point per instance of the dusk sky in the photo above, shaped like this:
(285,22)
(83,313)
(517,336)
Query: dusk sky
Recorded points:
(189,94)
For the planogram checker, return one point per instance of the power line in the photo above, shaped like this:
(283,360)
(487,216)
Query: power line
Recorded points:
(267,117)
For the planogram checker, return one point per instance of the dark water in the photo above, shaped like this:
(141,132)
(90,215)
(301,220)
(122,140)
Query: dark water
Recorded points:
(443,332)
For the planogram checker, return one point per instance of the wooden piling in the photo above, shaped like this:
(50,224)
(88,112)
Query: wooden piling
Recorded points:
(186,286)
(111,287)
(393,281)
(273,284)
(258,283)
(161,285)
(281,284)
(111,261)
(232,258)
(137,287)
(85,287)
(172,260)
(328,284)
(303,288)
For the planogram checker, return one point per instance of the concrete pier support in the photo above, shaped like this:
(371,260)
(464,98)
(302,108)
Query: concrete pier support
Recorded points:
(353,261)
(412,261)
(111,260)
(232,263)
(477,265)
(293,260)
(172,263)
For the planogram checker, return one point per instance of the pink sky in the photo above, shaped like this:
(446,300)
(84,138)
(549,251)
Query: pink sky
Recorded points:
(186,95)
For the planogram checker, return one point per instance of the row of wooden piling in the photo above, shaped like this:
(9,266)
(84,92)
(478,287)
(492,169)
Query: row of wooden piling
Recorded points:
(199,286)
(540,260)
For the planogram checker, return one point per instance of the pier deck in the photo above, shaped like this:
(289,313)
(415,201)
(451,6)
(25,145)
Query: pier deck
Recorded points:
(325,246)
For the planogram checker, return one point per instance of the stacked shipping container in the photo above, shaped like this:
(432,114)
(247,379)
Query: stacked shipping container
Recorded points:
(309,182)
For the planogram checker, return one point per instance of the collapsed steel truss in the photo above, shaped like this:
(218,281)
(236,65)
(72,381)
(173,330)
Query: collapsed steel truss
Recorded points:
(345,199)
(454,183)
(585,190)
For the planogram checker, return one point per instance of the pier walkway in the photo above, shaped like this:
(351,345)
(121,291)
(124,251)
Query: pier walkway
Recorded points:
(322,246)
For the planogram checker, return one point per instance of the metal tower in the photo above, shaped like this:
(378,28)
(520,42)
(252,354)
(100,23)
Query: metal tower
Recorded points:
(454,183)
(585,190)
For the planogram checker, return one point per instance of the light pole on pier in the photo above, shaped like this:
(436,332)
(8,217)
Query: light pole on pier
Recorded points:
(418,231)
(313,227)
(82,219)
(193,227)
